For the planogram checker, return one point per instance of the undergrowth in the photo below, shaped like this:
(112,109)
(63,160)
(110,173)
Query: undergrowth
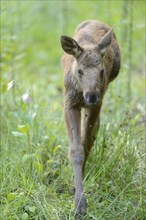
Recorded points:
(36,174)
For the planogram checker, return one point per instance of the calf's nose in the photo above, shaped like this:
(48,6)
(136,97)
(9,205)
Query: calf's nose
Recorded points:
(91,98)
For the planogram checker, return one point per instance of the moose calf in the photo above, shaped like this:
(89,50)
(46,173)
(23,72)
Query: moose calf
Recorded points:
(90,62)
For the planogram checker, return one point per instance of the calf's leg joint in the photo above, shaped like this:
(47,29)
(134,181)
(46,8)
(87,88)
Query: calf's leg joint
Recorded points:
(77,157)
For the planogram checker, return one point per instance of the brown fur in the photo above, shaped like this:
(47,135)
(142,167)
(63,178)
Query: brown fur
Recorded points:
(91,62)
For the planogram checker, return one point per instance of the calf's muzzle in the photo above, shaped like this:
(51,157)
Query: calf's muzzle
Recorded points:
(91,98)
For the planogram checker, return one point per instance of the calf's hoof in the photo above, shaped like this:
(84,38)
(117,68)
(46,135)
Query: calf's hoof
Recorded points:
(80,207)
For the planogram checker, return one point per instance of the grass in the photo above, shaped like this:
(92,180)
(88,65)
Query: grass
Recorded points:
(36,175)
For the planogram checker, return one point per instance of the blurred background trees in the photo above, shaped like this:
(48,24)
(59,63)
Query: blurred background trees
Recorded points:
(35,168)
(30,34)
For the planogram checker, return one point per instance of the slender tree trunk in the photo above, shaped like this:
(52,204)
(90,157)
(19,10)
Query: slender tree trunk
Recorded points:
(126,37)
(109,11)
(130,44)
(125,14)
(64,16)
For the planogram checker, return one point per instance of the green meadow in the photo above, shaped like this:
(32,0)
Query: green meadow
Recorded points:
(36,174)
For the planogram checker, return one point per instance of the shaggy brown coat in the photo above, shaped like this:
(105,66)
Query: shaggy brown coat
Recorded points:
(90,62)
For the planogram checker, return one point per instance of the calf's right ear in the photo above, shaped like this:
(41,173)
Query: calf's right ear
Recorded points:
(70,46)
(105,41)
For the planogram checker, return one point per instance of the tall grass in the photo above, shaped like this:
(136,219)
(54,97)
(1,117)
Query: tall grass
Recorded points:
(36,175)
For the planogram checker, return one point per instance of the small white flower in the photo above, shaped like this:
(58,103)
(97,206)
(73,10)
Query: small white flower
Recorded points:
(26,98)
(10,85)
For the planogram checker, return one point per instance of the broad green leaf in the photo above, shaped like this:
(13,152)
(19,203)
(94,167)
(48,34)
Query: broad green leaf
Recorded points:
(23,128)
(24,216)
(17,134)
(27,157)
(38,166)
(32,209)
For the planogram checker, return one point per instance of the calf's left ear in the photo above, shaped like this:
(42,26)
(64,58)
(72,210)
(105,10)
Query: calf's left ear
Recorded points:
(70,46)
(105,41)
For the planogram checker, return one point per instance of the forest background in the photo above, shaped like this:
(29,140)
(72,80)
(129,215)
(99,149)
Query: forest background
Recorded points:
(36,175)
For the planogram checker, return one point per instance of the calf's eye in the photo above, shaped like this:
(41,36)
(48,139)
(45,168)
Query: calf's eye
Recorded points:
(80,72)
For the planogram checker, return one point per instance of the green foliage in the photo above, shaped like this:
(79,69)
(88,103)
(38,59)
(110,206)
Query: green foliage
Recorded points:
(36,175)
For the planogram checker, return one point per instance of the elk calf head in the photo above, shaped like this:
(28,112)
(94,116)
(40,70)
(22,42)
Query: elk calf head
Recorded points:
(88,67)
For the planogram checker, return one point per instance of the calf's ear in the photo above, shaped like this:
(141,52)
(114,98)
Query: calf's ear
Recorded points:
(70,46)
(105,41)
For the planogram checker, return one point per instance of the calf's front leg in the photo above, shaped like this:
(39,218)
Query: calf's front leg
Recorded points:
(73,123)
(90,125)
